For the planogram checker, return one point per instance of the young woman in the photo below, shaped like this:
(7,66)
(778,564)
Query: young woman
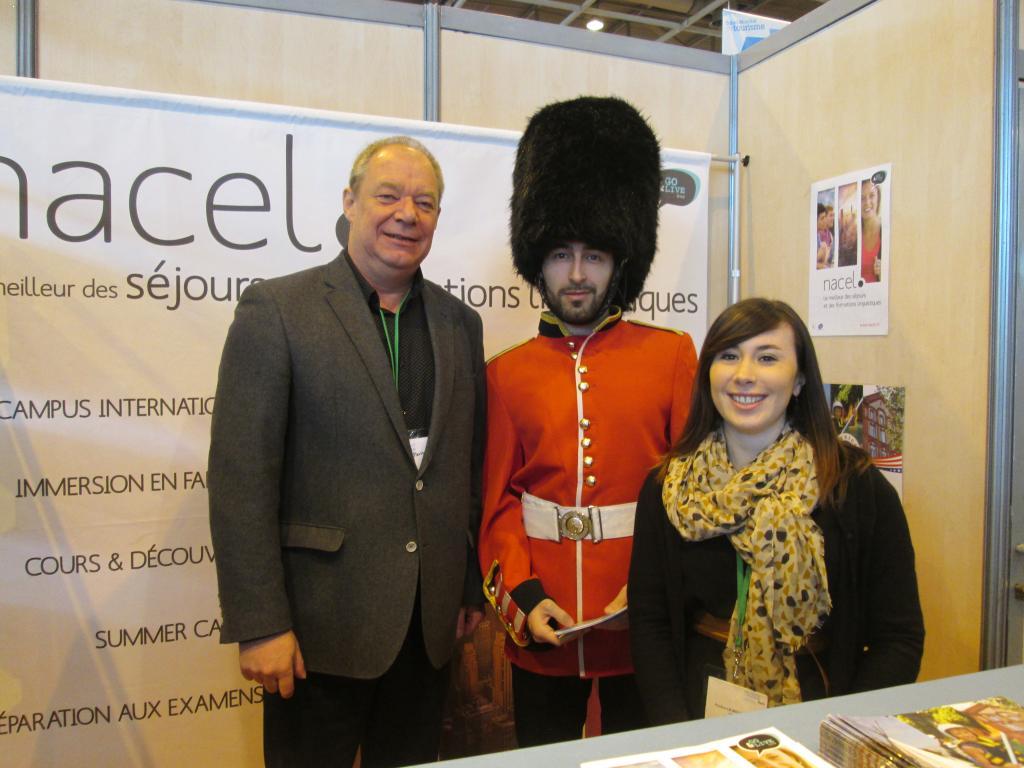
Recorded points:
(760,500)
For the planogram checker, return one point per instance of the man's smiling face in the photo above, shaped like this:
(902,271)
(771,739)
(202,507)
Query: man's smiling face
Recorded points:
(393,213)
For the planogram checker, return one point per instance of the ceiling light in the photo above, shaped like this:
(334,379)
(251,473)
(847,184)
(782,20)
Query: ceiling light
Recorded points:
(595,25)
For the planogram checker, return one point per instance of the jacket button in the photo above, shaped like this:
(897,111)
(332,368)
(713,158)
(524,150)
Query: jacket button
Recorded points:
(419,485)
(583,369)
(588,461)
(584,386)
(585,442)
(410,547)
(590,480)
(584,423)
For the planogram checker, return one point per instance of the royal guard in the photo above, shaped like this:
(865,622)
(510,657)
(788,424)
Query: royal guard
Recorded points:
(577,415)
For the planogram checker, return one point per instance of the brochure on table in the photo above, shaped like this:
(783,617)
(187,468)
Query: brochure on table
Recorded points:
(988,733)
(767,748)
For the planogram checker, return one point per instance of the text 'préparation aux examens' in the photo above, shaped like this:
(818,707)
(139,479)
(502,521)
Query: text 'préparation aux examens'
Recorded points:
(14,723)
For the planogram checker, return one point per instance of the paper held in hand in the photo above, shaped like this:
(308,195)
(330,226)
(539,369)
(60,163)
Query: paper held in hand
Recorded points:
(618,617)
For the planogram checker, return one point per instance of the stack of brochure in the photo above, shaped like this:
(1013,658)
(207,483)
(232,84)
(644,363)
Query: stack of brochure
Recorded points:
(768,748)
(988,733)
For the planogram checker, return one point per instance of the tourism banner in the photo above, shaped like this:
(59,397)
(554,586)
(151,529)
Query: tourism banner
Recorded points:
(130,223)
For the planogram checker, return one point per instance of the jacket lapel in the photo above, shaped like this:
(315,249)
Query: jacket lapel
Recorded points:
(349,305)
(442,339)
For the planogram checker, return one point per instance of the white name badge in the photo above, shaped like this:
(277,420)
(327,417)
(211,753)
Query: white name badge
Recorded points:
(725,698)
(419,447)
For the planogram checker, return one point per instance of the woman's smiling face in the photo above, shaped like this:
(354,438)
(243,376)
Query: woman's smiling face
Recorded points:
(752,383)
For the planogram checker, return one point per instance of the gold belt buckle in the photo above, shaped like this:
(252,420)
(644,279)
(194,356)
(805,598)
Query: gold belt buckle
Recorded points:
(575,524)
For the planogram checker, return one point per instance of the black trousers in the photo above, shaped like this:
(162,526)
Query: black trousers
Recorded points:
(554,708)
(396,719)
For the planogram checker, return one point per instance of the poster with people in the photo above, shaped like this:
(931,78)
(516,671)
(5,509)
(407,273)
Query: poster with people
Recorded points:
(871,417)
(848,281)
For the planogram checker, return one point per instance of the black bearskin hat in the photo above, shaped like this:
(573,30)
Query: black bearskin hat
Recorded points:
(588,169)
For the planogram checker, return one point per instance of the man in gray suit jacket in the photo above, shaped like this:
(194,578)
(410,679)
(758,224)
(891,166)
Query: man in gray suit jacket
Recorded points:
(344,481)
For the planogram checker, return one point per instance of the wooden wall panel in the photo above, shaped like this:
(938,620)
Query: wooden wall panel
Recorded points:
(500,83)
(234,53)
(908,82)
(8,39)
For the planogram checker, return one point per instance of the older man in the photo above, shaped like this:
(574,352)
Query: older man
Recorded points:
(344,481)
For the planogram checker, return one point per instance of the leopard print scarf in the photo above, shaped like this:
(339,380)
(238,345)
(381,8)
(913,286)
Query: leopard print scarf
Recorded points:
(765,509)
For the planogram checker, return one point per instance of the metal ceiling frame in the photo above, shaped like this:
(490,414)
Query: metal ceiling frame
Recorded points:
(458,19)
(693,19)
(572,38)
(575,10)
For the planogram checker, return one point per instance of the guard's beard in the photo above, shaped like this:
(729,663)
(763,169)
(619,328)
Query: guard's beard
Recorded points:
(571,315)
(601,308)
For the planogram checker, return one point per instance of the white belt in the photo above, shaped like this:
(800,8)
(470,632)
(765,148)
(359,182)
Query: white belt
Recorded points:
(547,520)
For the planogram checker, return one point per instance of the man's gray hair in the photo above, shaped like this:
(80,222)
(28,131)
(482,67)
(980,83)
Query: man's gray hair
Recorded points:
(362,160)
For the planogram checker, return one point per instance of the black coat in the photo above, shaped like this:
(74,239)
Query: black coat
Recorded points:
(876,630)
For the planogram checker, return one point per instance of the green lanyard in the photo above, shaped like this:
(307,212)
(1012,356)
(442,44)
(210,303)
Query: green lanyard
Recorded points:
(393,350)
(742,587)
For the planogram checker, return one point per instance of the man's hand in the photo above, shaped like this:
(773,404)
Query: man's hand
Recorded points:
(469,619)
(618,602)
(622,622)
(274,662)
(537,621)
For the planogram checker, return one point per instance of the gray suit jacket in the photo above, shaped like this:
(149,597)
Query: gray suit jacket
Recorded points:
(320,520)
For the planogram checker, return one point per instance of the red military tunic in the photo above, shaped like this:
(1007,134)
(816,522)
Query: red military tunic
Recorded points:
(577,421)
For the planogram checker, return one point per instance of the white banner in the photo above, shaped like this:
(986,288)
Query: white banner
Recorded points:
(129,224)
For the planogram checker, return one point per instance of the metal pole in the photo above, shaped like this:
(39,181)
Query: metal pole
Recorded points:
(27,36)
(734,183)
(431,63)
(996,595)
